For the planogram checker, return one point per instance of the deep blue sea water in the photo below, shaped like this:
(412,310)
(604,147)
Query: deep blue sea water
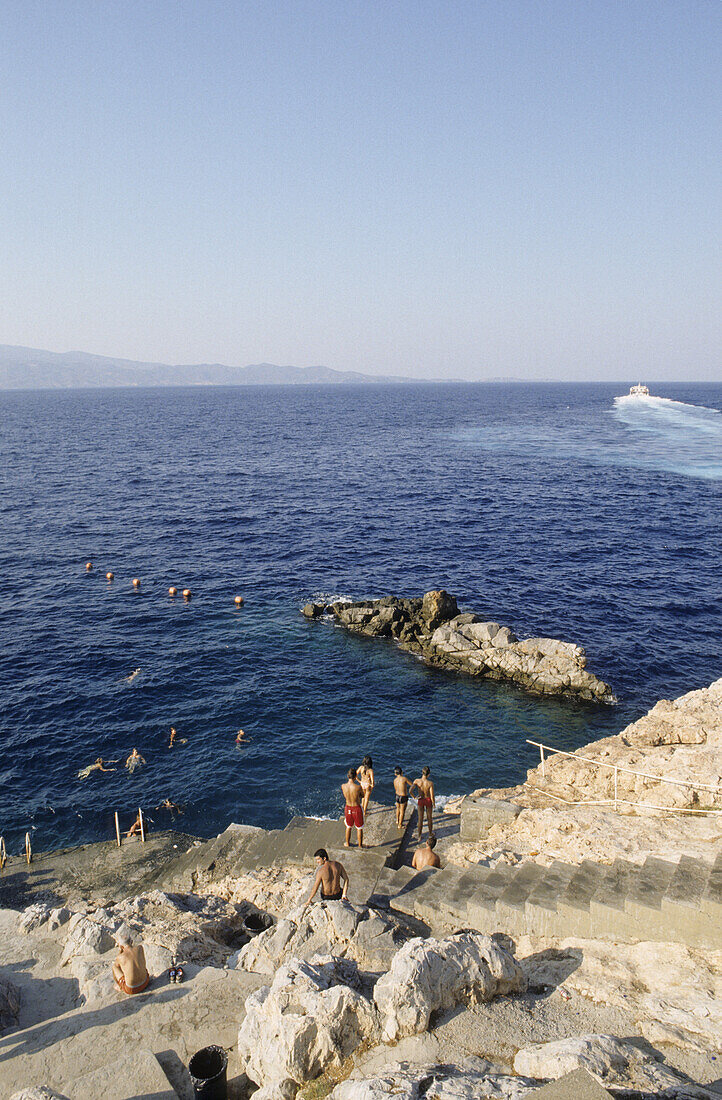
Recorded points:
(551,508)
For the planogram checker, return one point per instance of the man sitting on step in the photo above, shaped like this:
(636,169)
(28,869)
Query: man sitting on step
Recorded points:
(129,969)
(425,856)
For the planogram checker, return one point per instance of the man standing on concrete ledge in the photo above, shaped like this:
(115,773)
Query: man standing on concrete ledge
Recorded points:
(427,800)
(353,813)
(426,856)
(329,877)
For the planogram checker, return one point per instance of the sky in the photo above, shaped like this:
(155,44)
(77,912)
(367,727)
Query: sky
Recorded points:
(495,188)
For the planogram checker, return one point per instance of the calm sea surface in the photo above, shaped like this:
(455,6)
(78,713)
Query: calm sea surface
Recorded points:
(550,508)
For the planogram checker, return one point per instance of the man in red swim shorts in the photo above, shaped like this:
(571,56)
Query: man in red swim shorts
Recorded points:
(353,814)
(426,797)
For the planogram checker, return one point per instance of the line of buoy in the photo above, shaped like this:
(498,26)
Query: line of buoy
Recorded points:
(172,591)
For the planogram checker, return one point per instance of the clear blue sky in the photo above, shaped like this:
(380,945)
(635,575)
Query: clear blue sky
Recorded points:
(460,189)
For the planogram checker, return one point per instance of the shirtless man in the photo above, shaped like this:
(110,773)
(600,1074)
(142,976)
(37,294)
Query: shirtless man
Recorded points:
(353,813)
(329,877)
(134,761)
(129,969)
(426,856)
(134,830)
(426,798)
(401,786)
(96,767)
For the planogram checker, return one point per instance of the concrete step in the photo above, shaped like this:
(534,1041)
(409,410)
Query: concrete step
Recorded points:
(711,902)
(647,887)
(687,885)
(136,1074)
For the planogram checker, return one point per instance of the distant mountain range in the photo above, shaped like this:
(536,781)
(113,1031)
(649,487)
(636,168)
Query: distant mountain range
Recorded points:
(33,369)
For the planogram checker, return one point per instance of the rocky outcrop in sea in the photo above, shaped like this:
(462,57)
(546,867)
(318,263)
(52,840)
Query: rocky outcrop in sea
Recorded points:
(435,629)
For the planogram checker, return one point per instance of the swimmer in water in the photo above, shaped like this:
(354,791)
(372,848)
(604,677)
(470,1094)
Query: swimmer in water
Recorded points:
(171,807)
(175,738)
(135,760)
(98,766)
(241,738)
(134,673)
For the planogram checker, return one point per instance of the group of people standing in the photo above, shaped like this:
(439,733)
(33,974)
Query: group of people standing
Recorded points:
(357,792)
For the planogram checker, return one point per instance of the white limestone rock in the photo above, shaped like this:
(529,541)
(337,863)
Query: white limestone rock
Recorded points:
(40,1092)
(58,917)
(470,1079)
(310,1018)
(32,918)
(428,975)
(335,927)
(85,937)
(612,1061)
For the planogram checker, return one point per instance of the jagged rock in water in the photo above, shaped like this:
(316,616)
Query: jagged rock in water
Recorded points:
(434,628)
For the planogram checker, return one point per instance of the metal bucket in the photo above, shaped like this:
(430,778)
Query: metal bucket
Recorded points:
(208,1069)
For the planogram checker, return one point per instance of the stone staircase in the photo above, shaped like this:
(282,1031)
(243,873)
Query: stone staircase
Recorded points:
(242,848)
(659,900)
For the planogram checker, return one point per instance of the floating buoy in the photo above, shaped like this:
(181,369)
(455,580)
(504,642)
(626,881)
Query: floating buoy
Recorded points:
(88,566)
(136,582)
(238,601)
(187,593)
(172,591)
(109,576)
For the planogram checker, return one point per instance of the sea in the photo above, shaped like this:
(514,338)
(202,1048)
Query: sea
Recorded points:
(561,510)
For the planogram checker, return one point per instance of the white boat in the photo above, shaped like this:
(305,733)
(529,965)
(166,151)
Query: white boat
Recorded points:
(639,390)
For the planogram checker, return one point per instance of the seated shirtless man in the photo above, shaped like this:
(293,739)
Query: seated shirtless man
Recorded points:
(353,811)
(426,856)
(329,877)
(129,969)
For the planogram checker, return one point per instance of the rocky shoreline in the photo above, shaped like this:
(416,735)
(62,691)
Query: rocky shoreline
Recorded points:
(433,628)
(379,996)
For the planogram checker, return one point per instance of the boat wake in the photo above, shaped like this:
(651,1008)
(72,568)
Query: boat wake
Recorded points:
(673,435)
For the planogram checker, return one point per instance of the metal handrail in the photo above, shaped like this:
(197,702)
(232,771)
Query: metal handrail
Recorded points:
(617,768)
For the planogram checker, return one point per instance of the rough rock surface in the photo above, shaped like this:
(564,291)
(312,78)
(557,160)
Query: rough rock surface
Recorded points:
(85,937)
(39,1093)
(677,739)
(434,628)
(9,1004)
(470,1079)
(611,1060)
(32,917)
(428,975)
(673,994)
(335,927)
(312,1016)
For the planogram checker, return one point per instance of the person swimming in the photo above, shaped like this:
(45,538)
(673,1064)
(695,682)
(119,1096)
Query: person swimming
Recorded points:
(129,679)
(135,760)
(241,738)
(175,738)
(172,807)
(96,767)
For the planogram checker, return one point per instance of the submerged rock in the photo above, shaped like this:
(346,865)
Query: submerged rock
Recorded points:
(434,628)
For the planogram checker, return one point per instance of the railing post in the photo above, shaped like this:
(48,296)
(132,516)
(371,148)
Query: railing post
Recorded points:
(117,828)
(543,766)
(616,770)
(142,830)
